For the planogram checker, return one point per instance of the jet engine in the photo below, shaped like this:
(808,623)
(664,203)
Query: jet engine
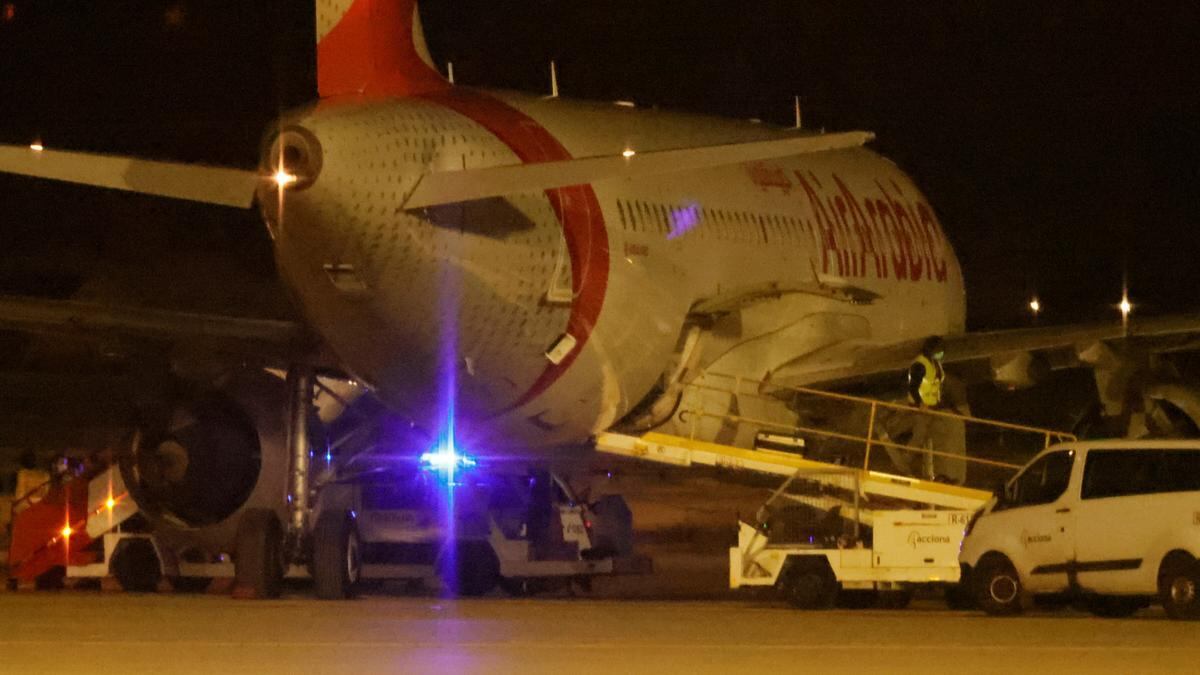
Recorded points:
(193,471)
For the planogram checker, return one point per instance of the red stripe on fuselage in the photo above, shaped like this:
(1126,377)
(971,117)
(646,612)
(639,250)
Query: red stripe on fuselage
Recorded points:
(576,207)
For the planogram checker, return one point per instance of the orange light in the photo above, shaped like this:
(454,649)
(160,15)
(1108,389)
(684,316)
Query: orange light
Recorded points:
(110,503)
(283,179)
(36,147)
(629,152)
(66,531)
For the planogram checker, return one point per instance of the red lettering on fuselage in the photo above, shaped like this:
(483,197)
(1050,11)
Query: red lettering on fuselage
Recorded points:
(767,176)
(864,234)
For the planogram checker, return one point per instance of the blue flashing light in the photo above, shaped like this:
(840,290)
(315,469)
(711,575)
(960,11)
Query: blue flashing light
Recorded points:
(445,459)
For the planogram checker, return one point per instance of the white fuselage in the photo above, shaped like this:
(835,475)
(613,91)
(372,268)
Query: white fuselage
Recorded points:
(469,298)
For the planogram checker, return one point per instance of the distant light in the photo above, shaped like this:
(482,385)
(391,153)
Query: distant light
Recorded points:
(66,531)
(175,16)
(625,104)
(10,12)
(110,503)
(629,152)
(283,179)
(1035,306)
(1126,307)
(36,147)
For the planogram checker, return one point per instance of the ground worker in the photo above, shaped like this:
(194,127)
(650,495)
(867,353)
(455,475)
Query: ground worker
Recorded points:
(926,381)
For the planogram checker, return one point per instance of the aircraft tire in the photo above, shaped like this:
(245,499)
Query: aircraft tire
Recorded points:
(135,565)
(258,556)
(337,556)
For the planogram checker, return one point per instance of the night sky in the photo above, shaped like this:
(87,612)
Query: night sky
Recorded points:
(1059,142)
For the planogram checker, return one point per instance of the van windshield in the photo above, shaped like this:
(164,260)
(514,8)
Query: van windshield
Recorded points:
(1043,481)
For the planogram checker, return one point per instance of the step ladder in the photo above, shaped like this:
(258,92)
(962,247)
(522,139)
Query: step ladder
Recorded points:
(59,529)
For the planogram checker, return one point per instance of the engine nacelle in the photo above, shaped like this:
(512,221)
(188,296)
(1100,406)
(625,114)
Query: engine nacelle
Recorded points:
(216,455)
(1019,370)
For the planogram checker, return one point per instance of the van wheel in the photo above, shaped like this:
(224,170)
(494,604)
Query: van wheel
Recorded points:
(1114,607)
(337,556)
(808,583)
(1179,589)
(997,587)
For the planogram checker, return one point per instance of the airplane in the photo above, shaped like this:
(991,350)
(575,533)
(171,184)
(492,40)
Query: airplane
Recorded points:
(524,272)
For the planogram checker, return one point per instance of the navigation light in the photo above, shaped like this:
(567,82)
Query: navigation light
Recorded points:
(283,179)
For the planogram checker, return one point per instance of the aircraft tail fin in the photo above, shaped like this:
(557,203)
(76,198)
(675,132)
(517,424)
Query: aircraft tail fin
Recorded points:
(374,48)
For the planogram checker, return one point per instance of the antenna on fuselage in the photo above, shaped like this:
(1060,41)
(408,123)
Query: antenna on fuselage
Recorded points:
(553,80)
(450,71)
(799,118)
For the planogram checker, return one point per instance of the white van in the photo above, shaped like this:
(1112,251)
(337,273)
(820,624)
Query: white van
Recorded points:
(1115,524)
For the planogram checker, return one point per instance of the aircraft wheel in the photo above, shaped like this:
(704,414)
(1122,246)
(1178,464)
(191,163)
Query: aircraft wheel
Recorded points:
(808,583)
(135,565)
(1179,589)
(258,557)
(997,587)
(337,556)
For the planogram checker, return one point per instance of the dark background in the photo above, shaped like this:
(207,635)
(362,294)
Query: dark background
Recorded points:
(1058,141)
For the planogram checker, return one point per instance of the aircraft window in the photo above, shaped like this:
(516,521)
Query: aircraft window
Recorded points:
(663,218)
(624,216)
(1119,473)
(1044,481)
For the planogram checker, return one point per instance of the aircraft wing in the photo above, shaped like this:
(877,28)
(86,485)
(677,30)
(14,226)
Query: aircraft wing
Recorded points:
(270,340)
(448,187)
(856,359)
(192,182)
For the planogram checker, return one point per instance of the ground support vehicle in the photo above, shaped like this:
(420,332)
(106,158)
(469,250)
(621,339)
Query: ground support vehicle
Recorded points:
(830,531)
(815,544)
(470,528)
(1111,525)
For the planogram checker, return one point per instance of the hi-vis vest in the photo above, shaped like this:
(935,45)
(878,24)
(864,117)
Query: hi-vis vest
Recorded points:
(931,385)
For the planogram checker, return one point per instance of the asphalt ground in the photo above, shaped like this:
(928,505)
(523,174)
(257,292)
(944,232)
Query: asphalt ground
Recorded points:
(77,632)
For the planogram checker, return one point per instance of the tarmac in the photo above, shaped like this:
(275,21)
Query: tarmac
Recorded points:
(77,632)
